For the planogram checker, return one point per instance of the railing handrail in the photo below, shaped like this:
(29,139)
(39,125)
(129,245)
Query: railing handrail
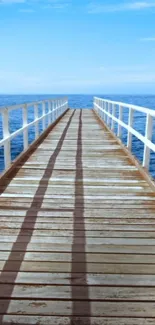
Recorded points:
(55,108)
(17,106)
(135,107)
(107,108)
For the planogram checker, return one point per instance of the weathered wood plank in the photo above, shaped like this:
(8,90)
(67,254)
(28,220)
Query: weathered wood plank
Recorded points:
(65,292)
(90,258)
(57,320)
(130,280)
(65,267)
(89,241)
(62,308)
(88,233)
(77,235)
(50,247)
(67,224)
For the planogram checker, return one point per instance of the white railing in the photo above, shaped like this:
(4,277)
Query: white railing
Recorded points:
(106,109)
(50,111)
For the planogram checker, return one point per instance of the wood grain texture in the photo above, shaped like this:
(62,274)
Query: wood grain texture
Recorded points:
(57,320)
(77,232)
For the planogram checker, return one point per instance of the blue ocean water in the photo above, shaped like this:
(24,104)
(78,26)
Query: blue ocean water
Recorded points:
(78,101)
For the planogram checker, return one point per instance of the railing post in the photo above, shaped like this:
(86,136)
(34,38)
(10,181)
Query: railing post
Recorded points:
(106,119)
(119,133)
(54,110)
(60,110)
(113,114)
(94,102)
(98,107)
(108,110)
(61,106)
(148,136)
(25,126)
(54,113)
(97,103)
(102,106)
(43,113)
(49,110)
(66,107)
(130,121)
(101,113)
(36,123)
(57,111)
(52,107)
(6,134)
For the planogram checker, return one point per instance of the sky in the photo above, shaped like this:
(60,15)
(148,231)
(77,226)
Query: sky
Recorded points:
(77,47)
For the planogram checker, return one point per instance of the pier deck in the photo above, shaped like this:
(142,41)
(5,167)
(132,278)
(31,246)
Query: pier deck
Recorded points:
(77,232)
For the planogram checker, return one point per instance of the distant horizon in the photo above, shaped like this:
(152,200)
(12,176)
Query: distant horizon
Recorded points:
(76,94)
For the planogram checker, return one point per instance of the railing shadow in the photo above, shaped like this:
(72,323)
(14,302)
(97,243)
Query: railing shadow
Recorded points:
(34,209)
(79,306)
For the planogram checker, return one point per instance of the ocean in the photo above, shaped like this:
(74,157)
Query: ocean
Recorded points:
(78,101)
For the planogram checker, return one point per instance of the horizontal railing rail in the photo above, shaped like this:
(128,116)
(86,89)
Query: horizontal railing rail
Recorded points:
(106,109)
(51,110)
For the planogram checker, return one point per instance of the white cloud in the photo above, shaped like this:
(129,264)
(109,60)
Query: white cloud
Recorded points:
(58,6)
(54,4)
(14,77)
(7,2)
(133,78)
(148,39)
(29,11)
(129,6)
(107,79)
(130,74)
(125,69)
(102,68)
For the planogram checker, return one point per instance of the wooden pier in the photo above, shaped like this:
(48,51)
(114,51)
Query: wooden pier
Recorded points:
(77,230)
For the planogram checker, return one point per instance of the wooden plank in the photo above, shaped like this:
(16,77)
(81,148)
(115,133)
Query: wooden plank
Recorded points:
(61,308)
(128,280)
(48,247)
(70,233)
(77,235)
(70,181)
(68,225)
(89,241)
(57,320)
(89,190)
(65,292)
(90,258)
(62,203)
(113,213)
(26,197)
(65,267)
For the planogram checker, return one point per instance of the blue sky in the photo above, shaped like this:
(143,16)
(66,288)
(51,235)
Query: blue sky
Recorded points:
(77,46)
